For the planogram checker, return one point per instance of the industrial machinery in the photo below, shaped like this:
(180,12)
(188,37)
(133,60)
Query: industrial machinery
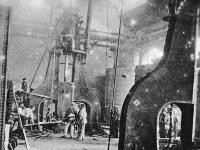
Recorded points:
(58,95)
(173,83)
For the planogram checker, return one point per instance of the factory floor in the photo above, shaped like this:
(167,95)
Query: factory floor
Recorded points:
(56,142)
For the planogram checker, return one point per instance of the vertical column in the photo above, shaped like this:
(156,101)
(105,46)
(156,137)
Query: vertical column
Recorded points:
(4,28)
(73,76)
(66,67)
(195,100)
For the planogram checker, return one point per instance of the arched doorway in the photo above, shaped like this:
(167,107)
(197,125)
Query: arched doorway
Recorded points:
(174,126)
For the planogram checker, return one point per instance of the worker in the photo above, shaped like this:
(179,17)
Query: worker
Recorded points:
(24,85)
(49,115)
(29,115)
(174,122)
(115,122)
(162,124)
(82,115)
(70,119)
(167,111)
(21,111)
(24,90)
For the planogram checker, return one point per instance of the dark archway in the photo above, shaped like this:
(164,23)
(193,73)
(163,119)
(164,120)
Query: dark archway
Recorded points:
(174,126)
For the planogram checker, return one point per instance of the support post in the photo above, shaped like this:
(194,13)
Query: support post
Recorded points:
(73,76)
(66,67)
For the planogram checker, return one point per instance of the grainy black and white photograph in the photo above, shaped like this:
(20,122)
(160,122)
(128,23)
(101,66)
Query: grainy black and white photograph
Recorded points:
(99,75)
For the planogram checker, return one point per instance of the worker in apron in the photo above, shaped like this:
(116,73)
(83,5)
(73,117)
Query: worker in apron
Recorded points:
(70,119)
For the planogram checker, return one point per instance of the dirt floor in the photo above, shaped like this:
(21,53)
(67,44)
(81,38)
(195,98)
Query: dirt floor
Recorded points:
(57,142)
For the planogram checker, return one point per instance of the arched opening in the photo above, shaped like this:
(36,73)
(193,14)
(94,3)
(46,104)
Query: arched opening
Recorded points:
(174,126)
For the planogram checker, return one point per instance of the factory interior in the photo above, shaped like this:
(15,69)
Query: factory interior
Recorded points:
(99,74)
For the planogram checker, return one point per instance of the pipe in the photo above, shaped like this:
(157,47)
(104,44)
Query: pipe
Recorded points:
(88,26)
(115,71)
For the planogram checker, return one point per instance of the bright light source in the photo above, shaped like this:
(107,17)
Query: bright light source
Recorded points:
(132,22)
(154,55)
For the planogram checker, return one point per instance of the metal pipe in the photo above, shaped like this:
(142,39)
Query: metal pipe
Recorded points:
(66,67)
(53,74)
(88,26)
(40,95)
(38,68)
(73,76)
(115,70)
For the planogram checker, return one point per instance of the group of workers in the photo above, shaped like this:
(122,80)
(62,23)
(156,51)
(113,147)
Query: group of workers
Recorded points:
(26,113)
(76,115)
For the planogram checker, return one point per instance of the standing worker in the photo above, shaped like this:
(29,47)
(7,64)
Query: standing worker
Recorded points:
(24,89)
(82,121)
(21,111)
(49,115)
(24,85)
(115,122)
(29,119)
(70,119)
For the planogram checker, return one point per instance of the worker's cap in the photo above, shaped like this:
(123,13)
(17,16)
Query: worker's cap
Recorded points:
(82,105)
(24,78)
